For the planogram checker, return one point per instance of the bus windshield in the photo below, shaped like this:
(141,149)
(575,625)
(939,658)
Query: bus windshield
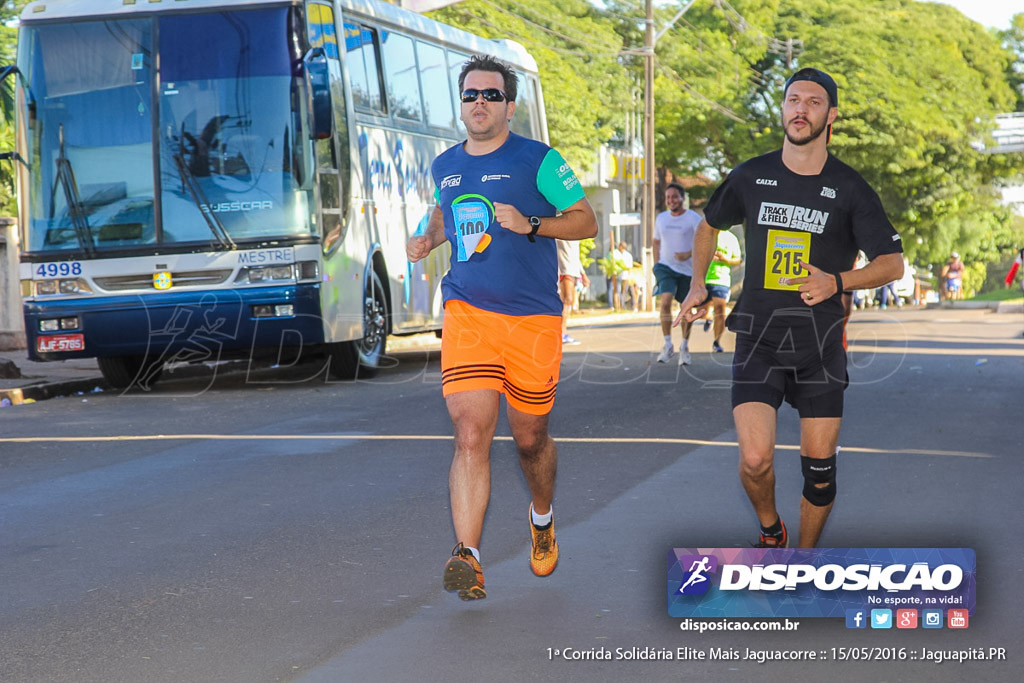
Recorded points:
(212,147)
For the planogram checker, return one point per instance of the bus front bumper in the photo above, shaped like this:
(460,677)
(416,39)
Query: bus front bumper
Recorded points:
(203,325)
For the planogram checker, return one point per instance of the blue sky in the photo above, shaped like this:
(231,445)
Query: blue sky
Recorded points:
(989,13)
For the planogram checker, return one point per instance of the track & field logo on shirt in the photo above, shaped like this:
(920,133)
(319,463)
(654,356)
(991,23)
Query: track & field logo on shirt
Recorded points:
(473,214)
(792,217)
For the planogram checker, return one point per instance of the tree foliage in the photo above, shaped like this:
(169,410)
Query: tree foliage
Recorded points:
(577,51)
(919,85)
(8,47)
(1013,40)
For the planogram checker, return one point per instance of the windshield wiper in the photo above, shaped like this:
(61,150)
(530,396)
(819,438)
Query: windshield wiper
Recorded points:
(188,181)
(76,211)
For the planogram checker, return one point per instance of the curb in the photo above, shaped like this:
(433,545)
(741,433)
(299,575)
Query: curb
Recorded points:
(44,390)
(47,390)
(1007,307)
(994,306)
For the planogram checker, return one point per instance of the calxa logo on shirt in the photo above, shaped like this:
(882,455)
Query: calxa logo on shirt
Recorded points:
(473,214)
(792,217)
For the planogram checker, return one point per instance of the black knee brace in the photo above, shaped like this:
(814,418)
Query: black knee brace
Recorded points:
(819,471)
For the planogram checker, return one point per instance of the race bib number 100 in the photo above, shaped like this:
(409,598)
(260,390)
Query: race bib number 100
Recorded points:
(786,250)
(471,222)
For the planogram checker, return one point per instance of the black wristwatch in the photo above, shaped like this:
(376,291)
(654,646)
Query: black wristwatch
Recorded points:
(535,223)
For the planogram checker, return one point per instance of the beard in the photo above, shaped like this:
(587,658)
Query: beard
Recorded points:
(812,134)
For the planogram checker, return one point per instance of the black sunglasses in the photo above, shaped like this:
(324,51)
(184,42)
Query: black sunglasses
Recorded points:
(490,95)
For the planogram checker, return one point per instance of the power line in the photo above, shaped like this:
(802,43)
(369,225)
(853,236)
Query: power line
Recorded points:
(548,30)
(707,58)
(571,29)
(721,108)
(501,30)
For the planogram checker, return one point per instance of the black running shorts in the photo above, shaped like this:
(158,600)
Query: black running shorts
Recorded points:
(810,377)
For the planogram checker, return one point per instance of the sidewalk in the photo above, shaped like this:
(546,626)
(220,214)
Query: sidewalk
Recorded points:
(40,381)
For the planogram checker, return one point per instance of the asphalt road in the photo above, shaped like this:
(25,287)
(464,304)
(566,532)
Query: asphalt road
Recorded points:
(269,526)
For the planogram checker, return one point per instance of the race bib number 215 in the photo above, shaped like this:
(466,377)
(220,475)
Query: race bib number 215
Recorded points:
(786,249)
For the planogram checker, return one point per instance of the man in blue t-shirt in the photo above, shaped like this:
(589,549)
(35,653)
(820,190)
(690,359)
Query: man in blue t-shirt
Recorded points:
(502,201)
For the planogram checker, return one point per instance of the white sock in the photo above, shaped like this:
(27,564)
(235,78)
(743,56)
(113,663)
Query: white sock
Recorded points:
(476,553)
(668,341)
(541,520)
(686,345)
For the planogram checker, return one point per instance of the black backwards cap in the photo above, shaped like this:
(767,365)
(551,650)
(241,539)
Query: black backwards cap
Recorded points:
(819,77)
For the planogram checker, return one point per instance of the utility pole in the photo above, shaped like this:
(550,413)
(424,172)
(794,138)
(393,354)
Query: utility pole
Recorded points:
(649,187)
(650,39)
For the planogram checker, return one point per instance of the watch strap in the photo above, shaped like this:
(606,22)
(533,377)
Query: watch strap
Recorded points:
(535,226)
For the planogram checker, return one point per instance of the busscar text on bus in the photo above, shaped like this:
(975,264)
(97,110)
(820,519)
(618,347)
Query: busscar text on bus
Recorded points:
(205,180)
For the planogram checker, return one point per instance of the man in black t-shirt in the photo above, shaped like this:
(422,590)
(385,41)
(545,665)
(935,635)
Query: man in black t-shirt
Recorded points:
(805,215)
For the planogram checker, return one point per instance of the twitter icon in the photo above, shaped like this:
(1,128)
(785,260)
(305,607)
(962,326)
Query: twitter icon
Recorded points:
(881,618)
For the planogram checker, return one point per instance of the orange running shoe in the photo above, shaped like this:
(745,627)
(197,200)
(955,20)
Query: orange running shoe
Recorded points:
(462,573)
(544,549)
(767,541)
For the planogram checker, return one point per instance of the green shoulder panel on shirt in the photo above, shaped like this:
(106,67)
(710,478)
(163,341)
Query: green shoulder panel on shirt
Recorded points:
(437,195)
(557,182)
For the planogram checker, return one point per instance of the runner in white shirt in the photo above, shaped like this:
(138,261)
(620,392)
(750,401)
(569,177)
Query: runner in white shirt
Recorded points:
(673,246)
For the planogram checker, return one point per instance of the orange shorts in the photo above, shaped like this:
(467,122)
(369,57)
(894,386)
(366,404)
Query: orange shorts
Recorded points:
(517,355)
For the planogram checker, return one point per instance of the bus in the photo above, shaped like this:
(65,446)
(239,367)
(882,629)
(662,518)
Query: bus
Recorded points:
(202,180)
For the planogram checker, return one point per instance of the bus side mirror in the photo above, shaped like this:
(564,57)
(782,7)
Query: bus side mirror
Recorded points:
(8,70)
(318,87)
(4,73)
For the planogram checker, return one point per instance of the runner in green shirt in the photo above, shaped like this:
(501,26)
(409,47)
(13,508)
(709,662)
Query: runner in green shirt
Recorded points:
(719,281)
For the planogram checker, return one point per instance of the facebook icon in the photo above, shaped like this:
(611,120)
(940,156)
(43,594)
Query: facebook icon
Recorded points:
(856,618)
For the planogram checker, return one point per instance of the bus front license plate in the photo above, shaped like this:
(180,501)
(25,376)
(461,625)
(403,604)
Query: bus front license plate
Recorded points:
(60,342)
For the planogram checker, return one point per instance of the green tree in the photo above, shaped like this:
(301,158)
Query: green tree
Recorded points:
(919,85)
(577,51)
(1013,41)
(8,49)
(586,246)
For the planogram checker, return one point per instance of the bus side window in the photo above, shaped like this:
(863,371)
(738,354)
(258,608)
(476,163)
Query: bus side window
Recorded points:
(363,70)
(525,120)
(437,96)
(400,76)
(456,61)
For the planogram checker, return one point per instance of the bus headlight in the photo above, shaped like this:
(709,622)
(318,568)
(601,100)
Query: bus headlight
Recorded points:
(44,287)
(273,310)
(69,286)
(75,286)
(267,274)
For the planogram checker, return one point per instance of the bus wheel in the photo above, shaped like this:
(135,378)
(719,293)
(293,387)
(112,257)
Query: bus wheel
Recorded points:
(122,372)
(362,358)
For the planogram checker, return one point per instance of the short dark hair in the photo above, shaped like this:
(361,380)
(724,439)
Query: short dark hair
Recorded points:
(678,186)
(819,77)
(488,63)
